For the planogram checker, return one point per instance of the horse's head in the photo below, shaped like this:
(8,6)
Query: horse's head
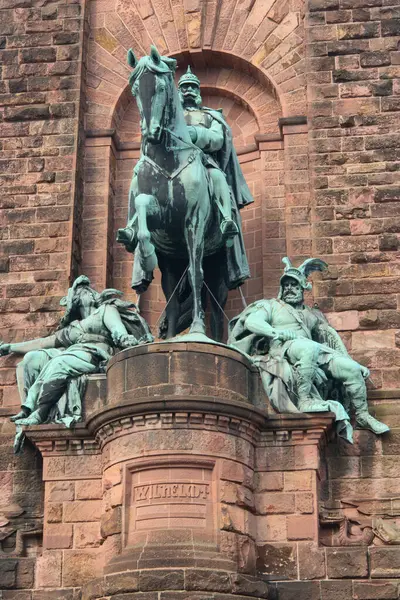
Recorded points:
(151,83)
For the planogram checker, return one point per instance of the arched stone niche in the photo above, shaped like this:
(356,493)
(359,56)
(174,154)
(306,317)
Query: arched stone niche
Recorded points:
(250,109)
(253,100)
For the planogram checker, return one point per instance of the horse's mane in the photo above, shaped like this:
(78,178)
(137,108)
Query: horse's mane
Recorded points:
(164,66)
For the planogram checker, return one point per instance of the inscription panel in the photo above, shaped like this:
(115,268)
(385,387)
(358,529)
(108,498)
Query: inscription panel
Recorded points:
(169,497)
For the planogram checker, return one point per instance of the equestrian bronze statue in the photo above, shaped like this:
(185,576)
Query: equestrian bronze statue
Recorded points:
(184,199)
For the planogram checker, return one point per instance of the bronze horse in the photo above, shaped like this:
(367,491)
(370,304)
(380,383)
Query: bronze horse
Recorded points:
(172,220)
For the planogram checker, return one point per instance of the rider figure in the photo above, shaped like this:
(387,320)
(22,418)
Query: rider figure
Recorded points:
(210,132)
(207,129)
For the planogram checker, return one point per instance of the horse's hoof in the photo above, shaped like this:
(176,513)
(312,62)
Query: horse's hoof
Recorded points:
(198,327)
(149,260)
(127,236)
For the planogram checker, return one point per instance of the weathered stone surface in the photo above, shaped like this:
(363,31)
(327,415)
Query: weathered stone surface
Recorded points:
(311,561)
(207,581)
(111,522)
(298,589)
(385,562)
(345,563)
(121,582)
(377,590)
(277,560)
(80,565)
(336,590)
(8,572)
(159,580)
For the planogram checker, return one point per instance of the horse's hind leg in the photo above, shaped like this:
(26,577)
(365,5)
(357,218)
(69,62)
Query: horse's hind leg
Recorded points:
(148,259)
(170,275)
(194,236)
(214,274)
(128,235)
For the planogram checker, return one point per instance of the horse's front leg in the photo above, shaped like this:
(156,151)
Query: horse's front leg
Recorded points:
(148,258)
(128,235)
(194,236)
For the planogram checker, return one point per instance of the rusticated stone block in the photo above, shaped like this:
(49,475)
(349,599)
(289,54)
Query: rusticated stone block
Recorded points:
(137,376)
(53,512)
(298,590)
(275,503)
(159,580)
(305,503)
(27,113)
(375,590)
(37,55)
(111,522)
(121,583)
(87,535)
(80,566)
(336,590)
(207,580)
(346,563)
(144,596)
(48,569)
(277,561)
(311,561)
(231,493)
(375,59)
(60,491)
(88,490)
(53,595)
(385,562)
(201,368)
(235,518)
(301,527)
(8,572)
(58,536)
(249,586)
(234,471)
(297,481)
(94,589)
(81,511)
(269,482)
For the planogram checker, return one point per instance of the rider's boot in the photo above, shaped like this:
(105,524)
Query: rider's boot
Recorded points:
(128,237)
(23,414)
(228,229)
(358,397)
(33,419)
(305,376)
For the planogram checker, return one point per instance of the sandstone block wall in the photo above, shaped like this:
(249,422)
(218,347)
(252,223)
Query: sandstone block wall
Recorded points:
(310,90)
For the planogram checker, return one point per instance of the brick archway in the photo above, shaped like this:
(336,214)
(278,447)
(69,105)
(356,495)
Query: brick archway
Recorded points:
(255,83)
(263,39)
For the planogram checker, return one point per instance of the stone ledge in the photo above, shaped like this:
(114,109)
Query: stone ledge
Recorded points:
(167,347)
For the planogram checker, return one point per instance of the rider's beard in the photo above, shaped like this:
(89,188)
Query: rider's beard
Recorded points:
(191,99)
(293,298)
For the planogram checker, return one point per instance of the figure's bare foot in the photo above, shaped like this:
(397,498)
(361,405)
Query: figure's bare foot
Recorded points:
(21,415)
(367,421)
(33,419)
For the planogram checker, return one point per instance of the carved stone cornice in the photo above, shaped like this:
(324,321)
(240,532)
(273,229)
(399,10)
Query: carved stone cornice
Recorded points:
(297,429)
(57,439)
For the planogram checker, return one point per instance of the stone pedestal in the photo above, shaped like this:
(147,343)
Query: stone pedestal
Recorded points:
(171,484)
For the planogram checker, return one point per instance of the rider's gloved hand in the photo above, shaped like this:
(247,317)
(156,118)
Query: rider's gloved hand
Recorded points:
(192,133)
(364,371)
(4,349)
(285,335)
